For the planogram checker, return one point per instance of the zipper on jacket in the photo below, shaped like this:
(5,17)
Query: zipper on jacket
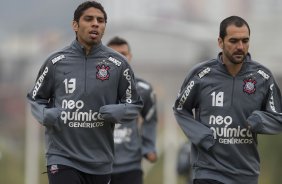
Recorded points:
(85,72)
(232,93)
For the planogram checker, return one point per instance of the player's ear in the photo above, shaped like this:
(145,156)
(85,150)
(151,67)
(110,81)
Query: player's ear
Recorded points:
(75,26)
(220,42)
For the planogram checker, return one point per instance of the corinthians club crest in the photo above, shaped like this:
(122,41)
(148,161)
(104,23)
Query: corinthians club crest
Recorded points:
(249,86)
(102,72)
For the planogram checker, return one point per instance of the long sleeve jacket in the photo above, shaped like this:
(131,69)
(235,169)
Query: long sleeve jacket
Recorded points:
(78,98)
(136,139)
(222,115)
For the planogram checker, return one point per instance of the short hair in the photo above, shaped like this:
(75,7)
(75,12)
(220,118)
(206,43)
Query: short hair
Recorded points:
(118,41)
(84,6)
(232,20)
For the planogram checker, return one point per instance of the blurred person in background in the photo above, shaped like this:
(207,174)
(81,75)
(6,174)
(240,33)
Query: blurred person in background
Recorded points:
(137,139)
(80,92)
(183,163)
(235,98)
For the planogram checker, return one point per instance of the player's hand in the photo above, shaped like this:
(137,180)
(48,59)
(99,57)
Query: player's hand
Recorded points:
(151,157)
(254,123)
(52,118)
(113,113)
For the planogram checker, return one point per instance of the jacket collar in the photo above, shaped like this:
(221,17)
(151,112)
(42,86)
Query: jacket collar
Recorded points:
(78,46)
(245,63)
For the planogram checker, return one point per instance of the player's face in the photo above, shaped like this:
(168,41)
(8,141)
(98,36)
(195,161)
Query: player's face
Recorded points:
(122,49)
(90,28)
(235,45)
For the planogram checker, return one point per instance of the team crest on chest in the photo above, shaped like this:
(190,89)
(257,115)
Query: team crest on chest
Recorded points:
(102,72)
(249,86)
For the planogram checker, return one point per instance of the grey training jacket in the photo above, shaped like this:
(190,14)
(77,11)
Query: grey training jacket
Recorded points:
(229,113)
(136,139)
(78,99)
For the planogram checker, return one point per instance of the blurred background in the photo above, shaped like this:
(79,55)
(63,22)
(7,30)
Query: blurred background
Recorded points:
(167,38)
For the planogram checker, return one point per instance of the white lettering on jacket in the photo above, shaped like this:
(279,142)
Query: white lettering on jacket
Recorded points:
(204,72)
(263,74)
(78,118)
(222,131)
(39,82)
(122,134)
(56,59)
(185,95)
(128,90)
(115,61)
(271,100)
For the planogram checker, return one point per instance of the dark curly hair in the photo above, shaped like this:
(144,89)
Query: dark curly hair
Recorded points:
(84,6)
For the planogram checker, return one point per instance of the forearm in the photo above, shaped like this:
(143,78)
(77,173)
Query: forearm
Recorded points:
(265,122)
(197,133)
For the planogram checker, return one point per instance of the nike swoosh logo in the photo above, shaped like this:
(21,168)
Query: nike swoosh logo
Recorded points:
(65,73)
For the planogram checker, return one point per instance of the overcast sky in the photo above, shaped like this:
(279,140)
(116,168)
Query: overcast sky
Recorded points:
(29,18)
